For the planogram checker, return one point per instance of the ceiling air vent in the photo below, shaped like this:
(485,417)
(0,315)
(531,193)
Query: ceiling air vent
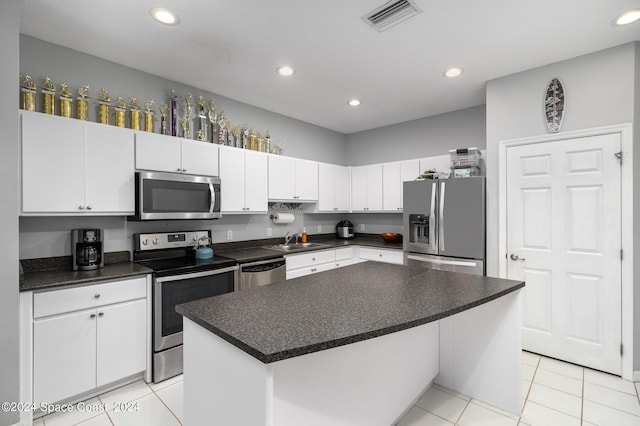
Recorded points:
(391,13)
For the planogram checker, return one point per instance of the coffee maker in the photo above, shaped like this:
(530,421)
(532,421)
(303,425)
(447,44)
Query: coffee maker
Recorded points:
(87,249)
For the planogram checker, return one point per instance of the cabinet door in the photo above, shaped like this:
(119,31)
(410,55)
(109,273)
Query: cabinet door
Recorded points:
(52,164)
(64,356)
(282,177)
(232,177)
(109,169)
(327,187)
(256,177)
(359,188)
(199,158)
(343,188)
(306,179)
(374,187)
(158,152)
(121,341)
(391,194)
(409,170)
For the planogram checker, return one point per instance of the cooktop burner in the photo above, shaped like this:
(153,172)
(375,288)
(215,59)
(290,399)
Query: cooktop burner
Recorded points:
(173,253)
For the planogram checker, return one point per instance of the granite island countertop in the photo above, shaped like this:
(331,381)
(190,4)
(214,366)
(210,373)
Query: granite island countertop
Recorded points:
(338,307)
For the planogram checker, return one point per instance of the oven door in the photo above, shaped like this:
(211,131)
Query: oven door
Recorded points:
(174,290)
(161,196)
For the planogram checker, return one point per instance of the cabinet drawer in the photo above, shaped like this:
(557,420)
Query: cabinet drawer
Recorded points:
(345,253)
(310,259)
(301,272)
(381,255)
(73,299)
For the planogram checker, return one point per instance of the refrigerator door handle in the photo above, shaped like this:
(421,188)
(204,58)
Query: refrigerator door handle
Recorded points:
(432,219)
(441,220)
(442,262)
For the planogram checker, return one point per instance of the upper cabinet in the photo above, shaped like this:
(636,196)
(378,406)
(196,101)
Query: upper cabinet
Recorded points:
(292,179)
(366,188)
(393,176)
(243,176)
(171,154)
(75,167)
(334,188)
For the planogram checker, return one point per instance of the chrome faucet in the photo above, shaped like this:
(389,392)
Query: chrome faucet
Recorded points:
(288,238)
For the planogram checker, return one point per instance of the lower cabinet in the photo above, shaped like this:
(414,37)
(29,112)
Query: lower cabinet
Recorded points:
(103,340)
(382,255)
(299,265)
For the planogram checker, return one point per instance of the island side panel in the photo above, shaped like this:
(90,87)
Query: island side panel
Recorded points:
(222,384)
(481,350)
(368,383)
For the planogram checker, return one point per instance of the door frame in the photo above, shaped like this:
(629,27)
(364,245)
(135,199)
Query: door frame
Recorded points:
(626,186)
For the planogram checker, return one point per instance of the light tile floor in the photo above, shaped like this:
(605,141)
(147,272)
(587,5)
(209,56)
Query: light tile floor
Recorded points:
(554,393)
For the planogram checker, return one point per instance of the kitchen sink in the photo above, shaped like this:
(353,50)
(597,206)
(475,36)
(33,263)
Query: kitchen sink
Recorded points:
(297,247)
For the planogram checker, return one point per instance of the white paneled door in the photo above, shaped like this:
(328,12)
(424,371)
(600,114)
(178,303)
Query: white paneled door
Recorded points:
(564,241)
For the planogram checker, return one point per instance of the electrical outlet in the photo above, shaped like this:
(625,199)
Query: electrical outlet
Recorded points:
(229,235)
(319,229)
(362,227)
(269,232)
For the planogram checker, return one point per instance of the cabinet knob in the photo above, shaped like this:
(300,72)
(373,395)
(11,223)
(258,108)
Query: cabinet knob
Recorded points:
(92,316)
(380,255)
(184,170)
(313,269)
(100,314)
(80,207)
(88,207)
(178,170)
(313,258)
(97,296)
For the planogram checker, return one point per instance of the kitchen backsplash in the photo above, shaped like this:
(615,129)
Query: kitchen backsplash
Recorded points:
(50,236)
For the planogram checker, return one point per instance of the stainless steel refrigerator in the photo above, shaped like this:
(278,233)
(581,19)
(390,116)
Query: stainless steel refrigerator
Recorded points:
(444,224)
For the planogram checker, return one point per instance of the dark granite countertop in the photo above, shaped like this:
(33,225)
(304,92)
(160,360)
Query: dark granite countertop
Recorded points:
(251,251)
(338,307)
(55,278)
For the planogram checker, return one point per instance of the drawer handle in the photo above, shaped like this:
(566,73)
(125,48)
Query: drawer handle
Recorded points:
(97,296)
(92,316)
(313,269)
(100,314)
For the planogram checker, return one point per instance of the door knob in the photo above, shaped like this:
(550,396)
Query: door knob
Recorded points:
(515,257)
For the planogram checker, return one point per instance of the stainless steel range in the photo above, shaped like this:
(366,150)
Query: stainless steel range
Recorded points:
(178,277)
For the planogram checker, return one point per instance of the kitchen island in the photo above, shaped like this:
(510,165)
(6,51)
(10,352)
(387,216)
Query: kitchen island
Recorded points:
(351,346)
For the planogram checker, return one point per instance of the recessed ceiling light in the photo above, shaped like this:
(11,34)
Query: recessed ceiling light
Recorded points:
(164,16)
(453,72)
(285,71)
(354,102)
(628,17)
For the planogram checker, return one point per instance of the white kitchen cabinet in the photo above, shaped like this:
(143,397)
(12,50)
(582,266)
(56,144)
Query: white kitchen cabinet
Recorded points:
(292,179)
(334,188)
(346,256)
(382,255)
(171,154)
(75,167)
(243,176)
(393,175)
(302,264)
(366,188)
(87,337)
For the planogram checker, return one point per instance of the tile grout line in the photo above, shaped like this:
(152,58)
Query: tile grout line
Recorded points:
(463,410)
(526,398)
(164,403)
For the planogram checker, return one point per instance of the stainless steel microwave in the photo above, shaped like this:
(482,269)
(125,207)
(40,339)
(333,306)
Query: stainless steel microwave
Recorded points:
(162,196)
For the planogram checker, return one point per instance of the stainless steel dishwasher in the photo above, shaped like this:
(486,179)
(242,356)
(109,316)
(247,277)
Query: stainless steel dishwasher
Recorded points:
(263,272)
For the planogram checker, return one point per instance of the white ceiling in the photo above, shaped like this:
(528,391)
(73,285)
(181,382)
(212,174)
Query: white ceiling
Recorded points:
(232,47)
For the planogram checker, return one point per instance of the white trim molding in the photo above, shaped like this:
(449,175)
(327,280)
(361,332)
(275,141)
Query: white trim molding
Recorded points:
(626,138)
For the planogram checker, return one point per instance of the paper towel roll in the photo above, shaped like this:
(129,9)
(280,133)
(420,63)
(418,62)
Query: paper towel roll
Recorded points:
(283,218)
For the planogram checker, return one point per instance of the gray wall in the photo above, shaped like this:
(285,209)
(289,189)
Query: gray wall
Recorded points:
(39,58)
(600,91)
(9,184)
(425,137)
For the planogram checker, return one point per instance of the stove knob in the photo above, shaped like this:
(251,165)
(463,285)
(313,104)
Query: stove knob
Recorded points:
(145,242)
